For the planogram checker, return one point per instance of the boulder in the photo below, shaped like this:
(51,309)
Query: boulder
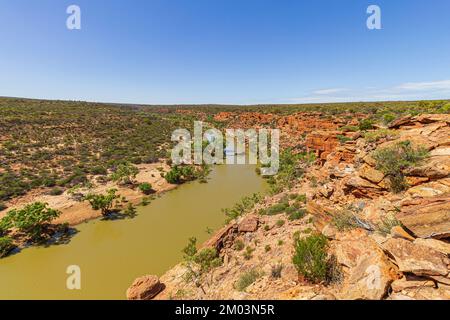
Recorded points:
(369,173)
(441,151)
(433,168)
(408,283)
(427,217)
(322,142)
(403,121)
(223,238)
(362,188)
(431,118)
(417,259)
(321,215)
(430,189)
(437,245)
(144,288)
(370,272)
(399,232)
(248,224)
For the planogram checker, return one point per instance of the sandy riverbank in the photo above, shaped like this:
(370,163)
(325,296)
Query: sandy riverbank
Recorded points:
(75,212)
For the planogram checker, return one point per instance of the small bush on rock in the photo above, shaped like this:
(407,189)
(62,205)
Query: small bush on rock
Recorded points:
(393,161)
(310,258)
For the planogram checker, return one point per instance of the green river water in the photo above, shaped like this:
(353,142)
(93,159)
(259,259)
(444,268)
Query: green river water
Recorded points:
(111,254)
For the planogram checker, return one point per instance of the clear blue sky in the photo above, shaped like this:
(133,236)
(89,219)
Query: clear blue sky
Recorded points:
(225,51)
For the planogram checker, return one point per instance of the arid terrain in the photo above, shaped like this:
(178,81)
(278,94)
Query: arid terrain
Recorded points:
(360,208)
(375,201)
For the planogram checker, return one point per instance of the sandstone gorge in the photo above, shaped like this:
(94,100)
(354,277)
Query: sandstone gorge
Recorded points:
(408,260)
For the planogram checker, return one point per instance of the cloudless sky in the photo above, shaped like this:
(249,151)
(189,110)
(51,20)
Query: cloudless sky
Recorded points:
(225,51)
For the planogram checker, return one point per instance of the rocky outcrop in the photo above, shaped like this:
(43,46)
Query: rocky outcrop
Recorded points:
(395,246)
(144,288)
(322,143)
(417,259)
(370,272)
(249,224)
(427,217)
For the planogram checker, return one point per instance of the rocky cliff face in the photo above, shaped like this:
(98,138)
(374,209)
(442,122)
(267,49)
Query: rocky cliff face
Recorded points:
(385,245)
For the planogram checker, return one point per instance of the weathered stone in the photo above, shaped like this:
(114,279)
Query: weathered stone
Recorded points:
(414,181)
(442,151)
(249,224)
(322,142)
(222,238)
(427,293)
(441,279)
(417,259)
(433,168)
(371,273)
(326,191)
(324,297)
(321,215)
(329,231)
(428,217)
(431,118)
(371,174)
(437,245)
(404,283)
(144,288)
(399,296)
(369,160)
(430,189)
(399,232)
(403,121)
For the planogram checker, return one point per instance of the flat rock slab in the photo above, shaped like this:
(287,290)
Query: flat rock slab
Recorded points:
(427,217)
(417,259)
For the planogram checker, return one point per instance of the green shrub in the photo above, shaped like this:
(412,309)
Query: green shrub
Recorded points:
(344,220)
(124,173)
(301,198)
(350,128)
(394,160)
(247,279)
(103,202)
(343,139)
(173,176)
(297,214)
(238,245)
(33,219)
(386,224)
(3,206)
(56,191)
(280,223)
(244,206)
(207,259)
(130,211)
(388,118)
(310,258)
(267,248)
(146,188)
(276,209)
(200,262)
(6,246)
(365,124)
(248,253)
(374,136)
(99,171)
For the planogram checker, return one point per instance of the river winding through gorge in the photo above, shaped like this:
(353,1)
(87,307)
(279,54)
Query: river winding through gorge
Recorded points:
(111,254)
